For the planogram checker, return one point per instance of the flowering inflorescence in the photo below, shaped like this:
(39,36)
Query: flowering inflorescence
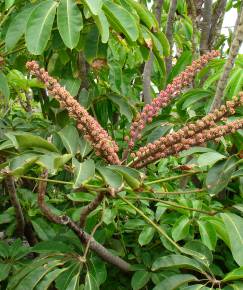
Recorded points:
(172,90)
(103,144)
(190,135)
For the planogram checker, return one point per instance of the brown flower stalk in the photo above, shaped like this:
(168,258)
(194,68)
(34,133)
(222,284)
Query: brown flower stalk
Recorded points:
(103,144)
(165,96)
(186,143)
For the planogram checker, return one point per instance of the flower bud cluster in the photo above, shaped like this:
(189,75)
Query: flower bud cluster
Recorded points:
(103,144)
(154,151)
(186,143)
(172,90)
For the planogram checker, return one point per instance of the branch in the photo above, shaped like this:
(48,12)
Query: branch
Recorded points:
(149,64)
(91,207)
(9,182)
(194,27)
(205,26)
(169,33)
(217,21)
(83,236)
(147,79)
(234,50)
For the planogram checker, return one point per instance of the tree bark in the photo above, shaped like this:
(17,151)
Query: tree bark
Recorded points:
(169,33)
(217,21)
(234,50)
(205,26)
(147,71)
(9,182)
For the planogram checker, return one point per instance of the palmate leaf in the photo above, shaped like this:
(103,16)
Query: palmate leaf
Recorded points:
(31,280)
(23,272)
(46,282)
(4,88)
(234,228)
(90,282)
(69,279)
(176,261)
(121,20)
(69,22)
(140,279)
(17,27)
(83,171)
(39,26)
(175,281)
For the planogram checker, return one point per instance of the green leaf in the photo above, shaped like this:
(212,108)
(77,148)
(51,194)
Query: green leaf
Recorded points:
(39,26)
(234,227)
(123,105)
(236,274)
(121,19)
(46,282)
(130,175)
(68,279)
(5,269)
(29,268)
(98,270)
(4,88)
(83,172)
(175,281)
(176,261)
(140,279)
(52,247)
(181,228)
(27,141)
(111,177)
(145,16)
(43,229)
(74,282)
(208,234)
(17,27)
(103,26)
(70,139)
(19,165)
(4,249)
(219,175)
(90,282)
(209,158)
(80,196)
(93,48)
(53,162)
(9,3)
(94,6)
(195,149)
(32,279)
(69,22)
(184,60)
(146,235)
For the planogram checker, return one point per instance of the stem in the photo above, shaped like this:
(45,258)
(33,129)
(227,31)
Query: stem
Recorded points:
(173,205)
(90,207)
(93,232)
(48,180)
(153,224)
(9,181)
(171,178)
(169,33)
(147,79)
(178,192)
